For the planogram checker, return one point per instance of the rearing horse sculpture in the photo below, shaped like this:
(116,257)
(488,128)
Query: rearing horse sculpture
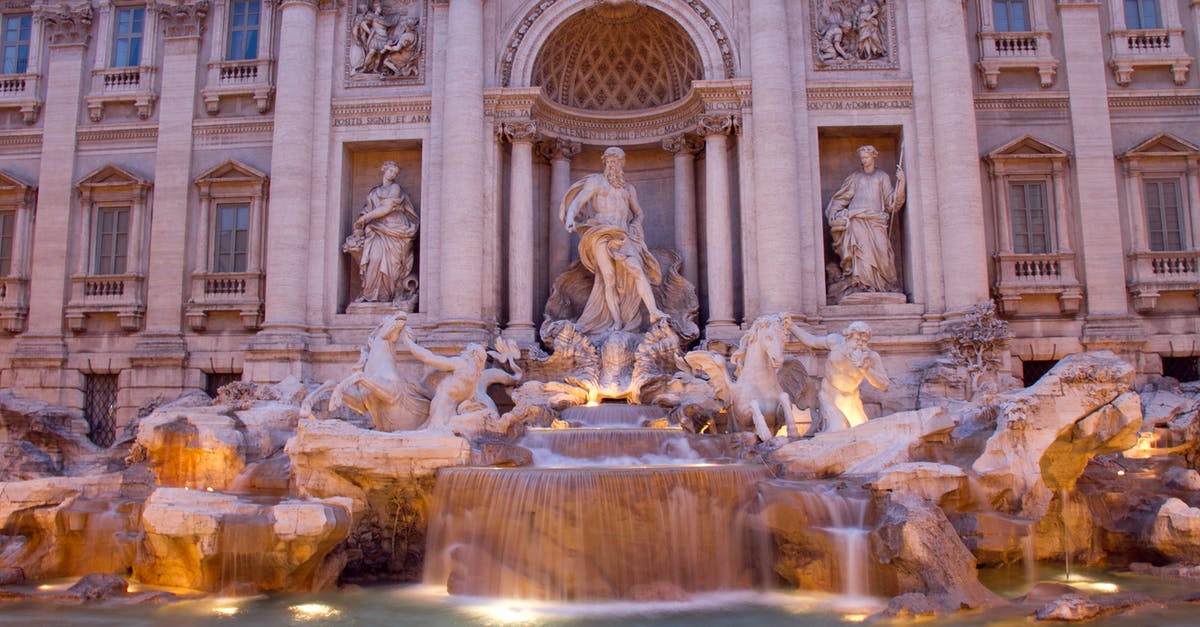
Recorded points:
(754,396)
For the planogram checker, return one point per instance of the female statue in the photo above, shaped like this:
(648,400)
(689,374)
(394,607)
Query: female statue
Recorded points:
(383,240)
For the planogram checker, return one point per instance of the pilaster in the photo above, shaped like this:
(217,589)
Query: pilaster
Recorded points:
(520,232)
(684,149)
(718,229)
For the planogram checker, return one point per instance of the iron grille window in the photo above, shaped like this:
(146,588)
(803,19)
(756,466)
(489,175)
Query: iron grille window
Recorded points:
(243,30)
(214,381)
(1034,369)
(1181,368)
(8,221)
(1030,226)
(1164,220)
(127,40)
(15,43)
(1142,14)
(100,407)
(233,238)
(1011,15)
(112,235)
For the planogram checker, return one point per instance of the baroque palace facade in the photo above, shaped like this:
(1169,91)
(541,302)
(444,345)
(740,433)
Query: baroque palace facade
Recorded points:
(182,182)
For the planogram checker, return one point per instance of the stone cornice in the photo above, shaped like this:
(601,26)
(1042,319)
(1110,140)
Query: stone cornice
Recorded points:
(125,133)
(1188,101)
(66,24)
(181,18)
(852,97)
(1022,102)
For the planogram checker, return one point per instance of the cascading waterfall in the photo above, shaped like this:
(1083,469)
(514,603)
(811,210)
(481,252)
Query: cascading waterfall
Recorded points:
(843,519)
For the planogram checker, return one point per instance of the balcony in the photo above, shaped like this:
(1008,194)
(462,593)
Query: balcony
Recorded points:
(119,294)
(1020,275)
(1016,51)
(240,292)
(1158,47)
(239,78)
(21,91)
(122,84)
(1152,273)
(14,303)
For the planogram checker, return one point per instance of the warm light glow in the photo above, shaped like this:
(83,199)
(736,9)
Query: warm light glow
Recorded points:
(1121,473)
(227,610)
(854,618)
(1145,446)
(507,613)
(208,489)
(45,586)
(313,611)
(592,404)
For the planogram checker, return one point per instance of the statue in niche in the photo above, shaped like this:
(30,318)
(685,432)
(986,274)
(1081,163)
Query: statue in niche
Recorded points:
(860,216)
(849,31)
(851,361)
(604,210)
(387,44)
(381,243)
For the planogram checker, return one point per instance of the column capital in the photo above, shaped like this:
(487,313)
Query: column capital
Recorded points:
(721,124)
(519,131)
(182,18)
(681,144)
(556,148)
(66,24)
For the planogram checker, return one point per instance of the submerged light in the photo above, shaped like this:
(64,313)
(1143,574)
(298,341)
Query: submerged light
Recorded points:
(313,611)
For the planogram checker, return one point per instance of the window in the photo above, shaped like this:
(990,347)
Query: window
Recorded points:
(15,43)
(1011,15)
(1164,221)
(100,407)
(243,30)
(127,40)
(8,223)
(233,238)
(1034,369)
(214,381)
(1142,14)
(1030,224)
(112,236)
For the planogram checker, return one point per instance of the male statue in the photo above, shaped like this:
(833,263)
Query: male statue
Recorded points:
(850,361)
(604,210)
(859,216)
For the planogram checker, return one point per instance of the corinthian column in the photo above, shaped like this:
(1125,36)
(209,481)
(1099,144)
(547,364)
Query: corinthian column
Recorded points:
(779,239)
(684,148)
(559,152)
(460,260)
(520,232)
(718,226)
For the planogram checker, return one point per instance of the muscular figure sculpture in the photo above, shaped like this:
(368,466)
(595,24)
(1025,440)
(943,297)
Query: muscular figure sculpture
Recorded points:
(859,216)
(604,210)
(850,361)
(459,385)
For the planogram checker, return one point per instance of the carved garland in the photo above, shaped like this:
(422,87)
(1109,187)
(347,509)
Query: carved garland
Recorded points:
(514,42)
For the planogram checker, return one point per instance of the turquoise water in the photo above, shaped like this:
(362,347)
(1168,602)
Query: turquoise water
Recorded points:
(420,605)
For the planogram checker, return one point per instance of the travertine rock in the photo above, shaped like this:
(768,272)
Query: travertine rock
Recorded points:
(41,440)
(1182,479)
(917,541)
(1073,606)
(864,450)
(926,479)
(1176,531)
(213,541)
(194,448)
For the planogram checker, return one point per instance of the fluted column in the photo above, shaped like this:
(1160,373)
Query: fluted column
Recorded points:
(520,232)
(959,191)
(718,226)
(559,152)
(1087,88)
(684,148)
(780,250)
(461,250)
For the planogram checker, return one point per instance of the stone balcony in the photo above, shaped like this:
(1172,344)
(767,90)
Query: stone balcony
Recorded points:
(21,91)
(1158,47)
(239,78)
(14,303)
(1020,275)
(240,292)
(134,85)
(1152,273)
(119,294)
(1016,51)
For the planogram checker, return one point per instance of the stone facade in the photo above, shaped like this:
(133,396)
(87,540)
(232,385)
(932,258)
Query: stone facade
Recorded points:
(177,178)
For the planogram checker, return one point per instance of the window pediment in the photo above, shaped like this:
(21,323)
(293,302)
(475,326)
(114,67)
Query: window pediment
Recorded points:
(1163,145)
(233,178)
(15,191)
(114,180)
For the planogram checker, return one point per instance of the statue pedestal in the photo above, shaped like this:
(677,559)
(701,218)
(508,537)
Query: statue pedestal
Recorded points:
(377,309)
(873,298)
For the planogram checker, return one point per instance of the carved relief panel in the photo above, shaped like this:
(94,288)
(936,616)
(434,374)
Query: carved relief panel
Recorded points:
(385,42)
(854,34)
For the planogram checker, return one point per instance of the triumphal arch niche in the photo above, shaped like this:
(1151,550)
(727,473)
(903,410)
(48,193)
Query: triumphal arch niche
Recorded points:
(652,77)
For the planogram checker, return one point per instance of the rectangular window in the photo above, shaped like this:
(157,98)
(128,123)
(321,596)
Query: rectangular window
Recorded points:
(1030,223)
(233,238)
(127,39)
(100,407)
(112,237)
(1142,14)
(1164,219)
(15,43)
(243,30)
(1011,15)
(8,222)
